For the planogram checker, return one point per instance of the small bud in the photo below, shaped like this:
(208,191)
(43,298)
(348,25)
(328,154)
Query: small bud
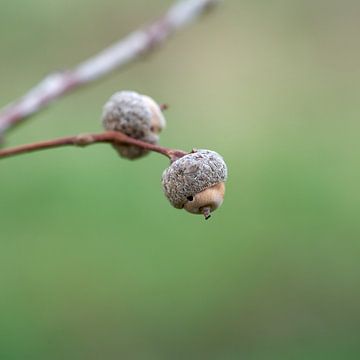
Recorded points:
(195,182)
(135,115)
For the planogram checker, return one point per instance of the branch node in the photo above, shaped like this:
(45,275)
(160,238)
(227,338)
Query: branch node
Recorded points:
(83,140)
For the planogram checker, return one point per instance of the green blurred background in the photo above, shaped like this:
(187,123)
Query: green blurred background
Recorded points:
(95,263)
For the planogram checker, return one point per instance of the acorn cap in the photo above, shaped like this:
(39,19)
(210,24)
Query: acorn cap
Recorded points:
(192,174)
(135,115)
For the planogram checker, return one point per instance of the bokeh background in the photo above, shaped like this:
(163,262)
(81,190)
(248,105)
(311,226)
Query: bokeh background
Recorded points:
(94,262)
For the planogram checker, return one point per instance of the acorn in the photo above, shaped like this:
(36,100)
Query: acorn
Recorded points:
(135,115)
(196,182)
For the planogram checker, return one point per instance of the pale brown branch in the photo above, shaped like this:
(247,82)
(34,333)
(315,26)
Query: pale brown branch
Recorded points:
(127,50)
(89,139)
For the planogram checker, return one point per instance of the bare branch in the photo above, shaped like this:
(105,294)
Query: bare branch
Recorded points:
(119,54)
(113,137)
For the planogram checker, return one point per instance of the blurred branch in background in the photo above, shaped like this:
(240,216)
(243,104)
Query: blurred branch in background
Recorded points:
(129,49)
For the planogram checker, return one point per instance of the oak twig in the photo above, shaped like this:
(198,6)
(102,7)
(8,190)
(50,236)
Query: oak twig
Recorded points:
(113,137)
(127,50)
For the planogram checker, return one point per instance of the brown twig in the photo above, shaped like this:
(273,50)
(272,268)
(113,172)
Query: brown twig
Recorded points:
(127,50)
(89,139)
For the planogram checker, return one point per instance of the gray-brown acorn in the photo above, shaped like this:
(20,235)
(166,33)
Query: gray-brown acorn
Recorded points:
(196,182)
(135,115)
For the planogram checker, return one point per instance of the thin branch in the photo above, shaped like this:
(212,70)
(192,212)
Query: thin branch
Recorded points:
(127,50)
(113,137)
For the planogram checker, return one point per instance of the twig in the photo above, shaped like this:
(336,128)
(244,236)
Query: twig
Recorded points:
(113,137)
(119,54)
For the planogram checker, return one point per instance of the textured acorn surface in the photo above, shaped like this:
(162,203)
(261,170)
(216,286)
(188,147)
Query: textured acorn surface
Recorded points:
(128,112)
(192,174)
